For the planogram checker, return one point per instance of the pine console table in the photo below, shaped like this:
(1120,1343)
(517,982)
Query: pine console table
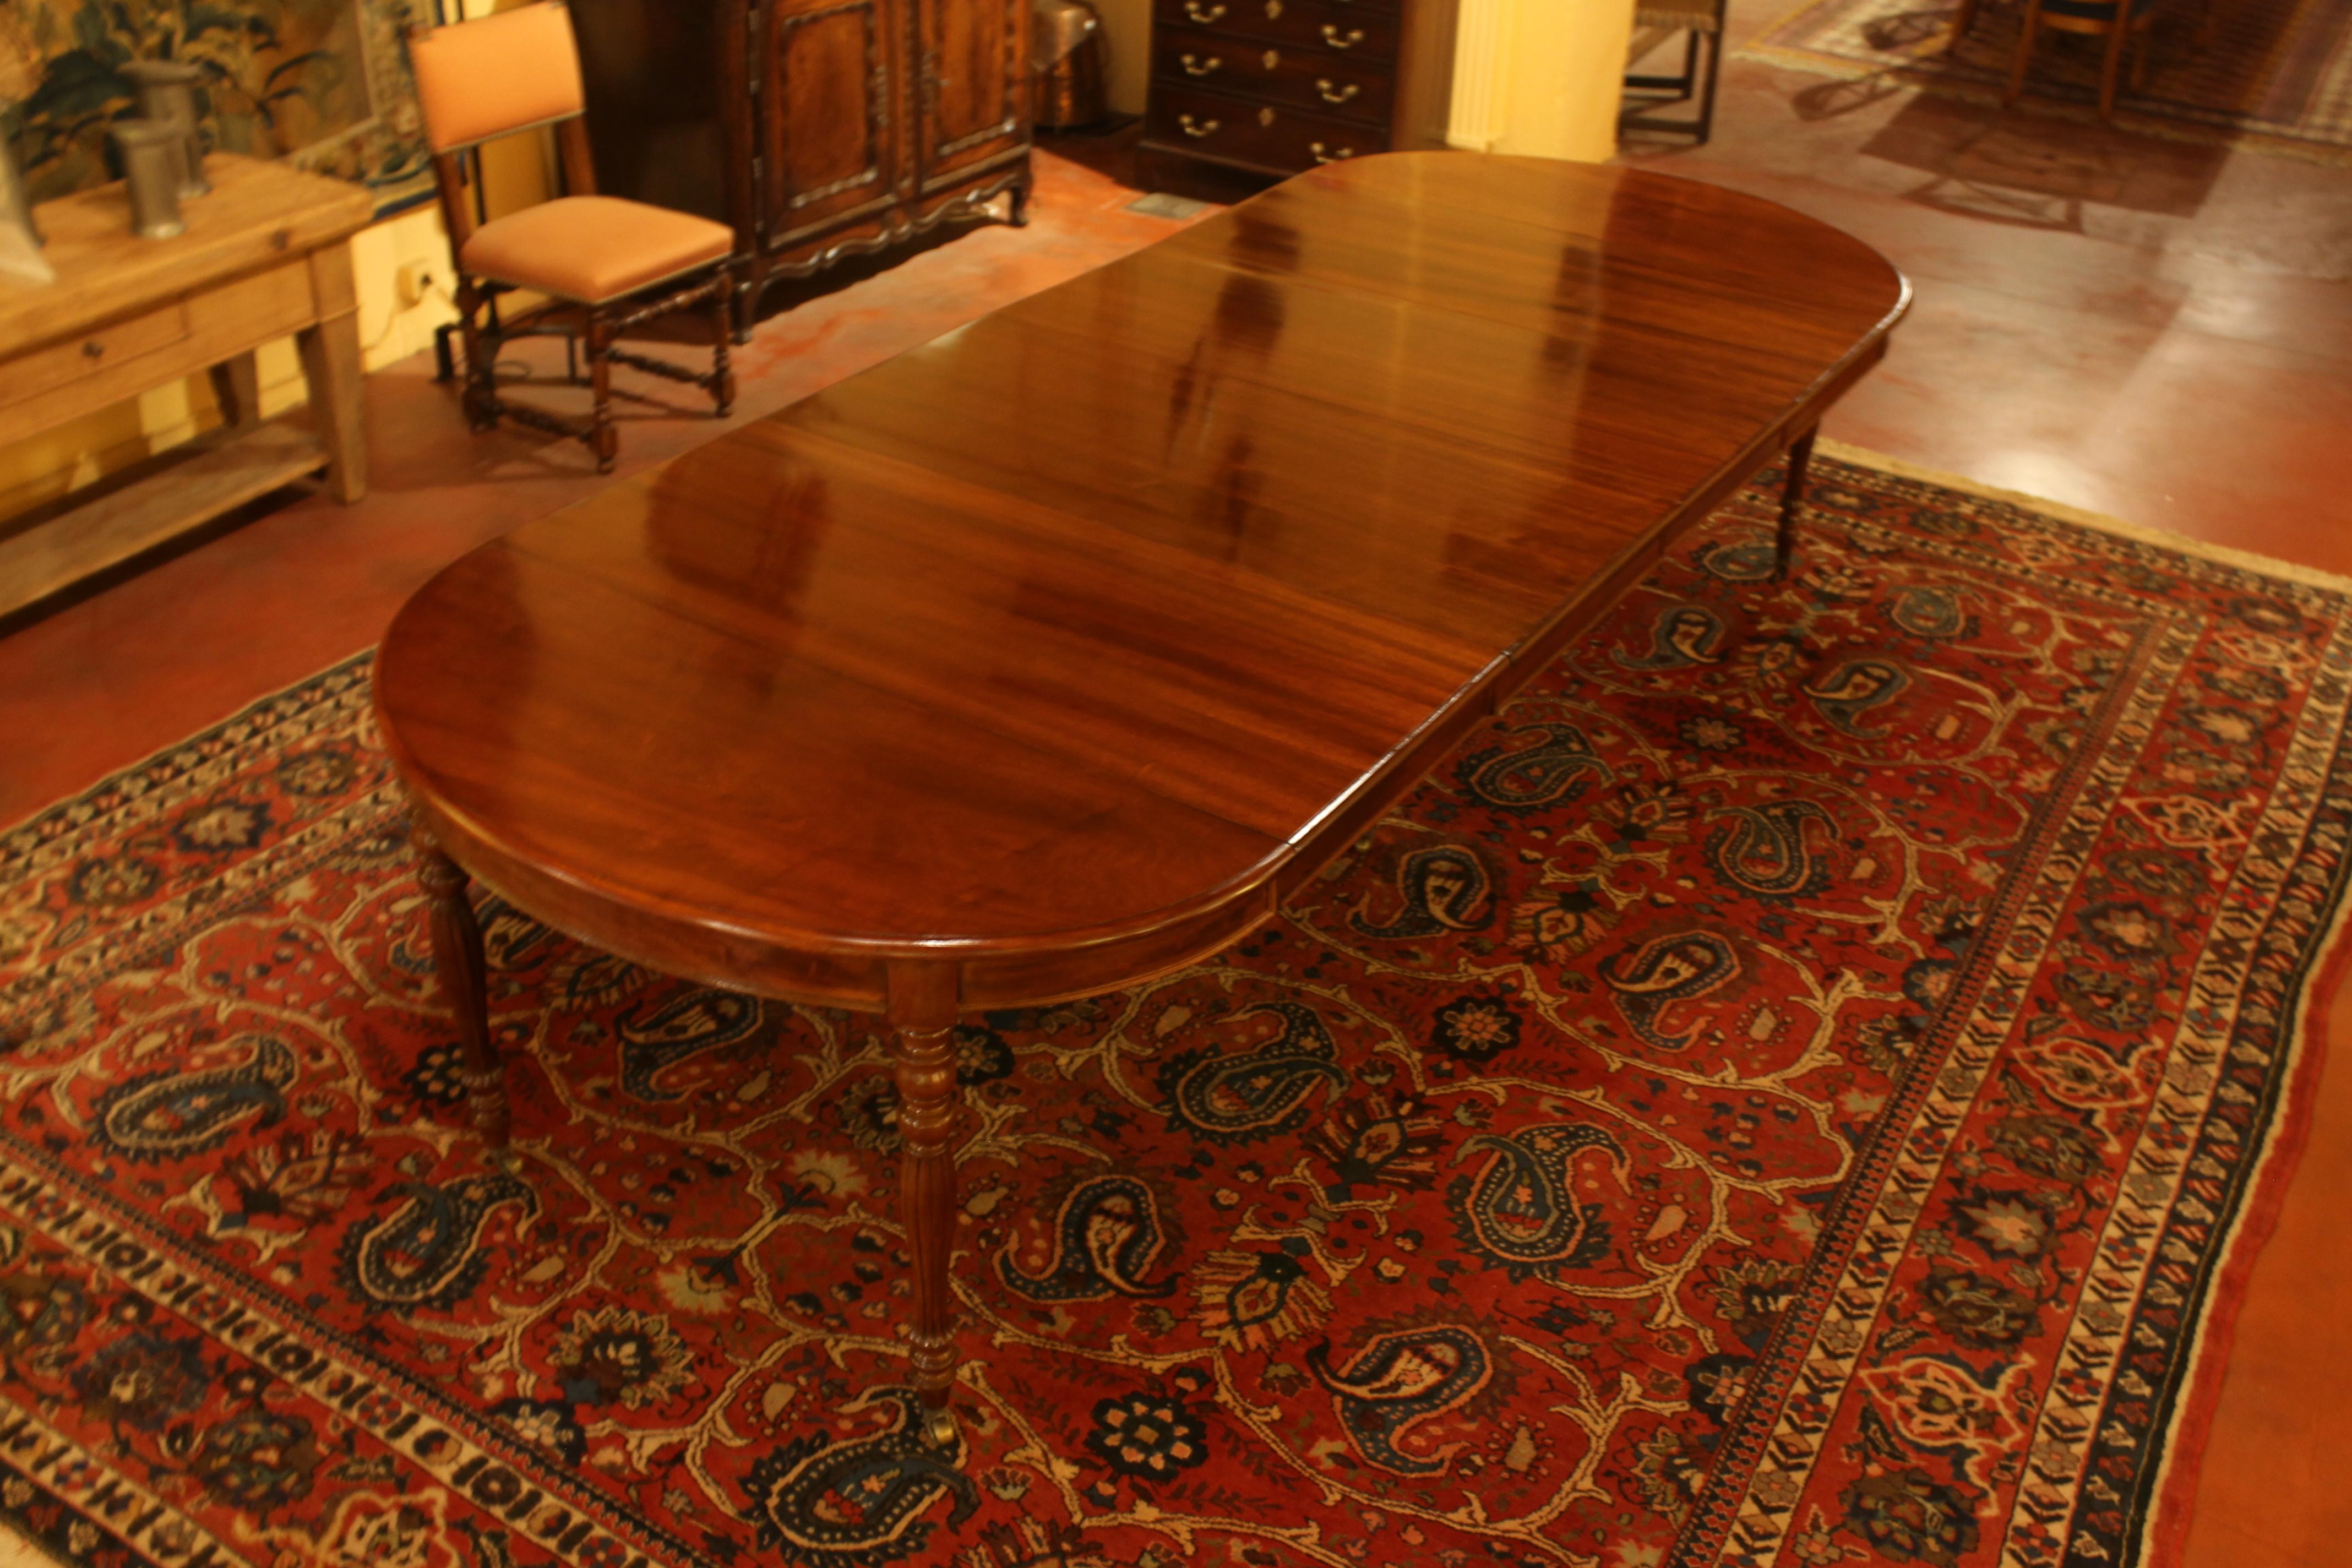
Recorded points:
(264,256)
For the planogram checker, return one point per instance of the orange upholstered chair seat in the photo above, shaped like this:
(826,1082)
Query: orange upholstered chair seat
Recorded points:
(592,248)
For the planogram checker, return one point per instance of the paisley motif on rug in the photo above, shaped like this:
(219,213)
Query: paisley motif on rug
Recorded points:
(1782,1092)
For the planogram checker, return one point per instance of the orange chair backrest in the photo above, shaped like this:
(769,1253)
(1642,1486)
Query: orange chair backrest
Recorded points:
(479,80)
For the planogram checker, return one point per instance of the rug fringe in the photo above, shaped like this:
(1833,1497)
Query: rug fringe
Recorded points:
(2204,550)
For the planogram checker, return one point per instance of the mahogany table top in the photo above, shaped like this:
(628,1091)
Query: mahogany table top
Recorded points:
(1059,647)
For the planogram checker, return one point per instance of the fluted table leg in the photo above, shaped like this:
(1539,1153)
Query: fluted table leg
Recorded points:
(923,1055)
(459,962)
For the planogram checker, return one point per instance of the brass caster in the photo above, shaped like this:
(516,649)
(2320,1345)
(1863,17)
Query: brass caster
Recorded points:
(940,1425)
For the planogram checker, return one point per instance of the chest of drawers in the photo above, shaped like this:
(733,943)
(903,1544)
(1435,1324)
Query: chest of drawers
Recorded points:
(1267,87)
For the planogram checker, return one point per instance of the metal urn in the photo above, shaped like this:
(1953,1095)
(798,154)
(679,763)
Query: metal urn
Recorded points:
(167,96)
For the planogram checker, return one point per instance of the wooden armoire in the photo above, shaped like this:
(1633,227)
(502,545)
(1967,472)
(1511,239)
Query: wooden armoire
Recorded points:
(819,129)
(1260,89)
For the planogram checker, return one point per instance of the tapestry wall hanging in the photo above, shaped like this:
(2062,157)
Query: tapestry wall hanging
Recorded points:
(324,84)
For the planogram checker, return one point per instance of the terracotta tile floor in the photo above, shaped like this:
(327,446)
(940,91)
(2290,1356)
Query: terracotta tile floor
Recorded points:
(2158,330)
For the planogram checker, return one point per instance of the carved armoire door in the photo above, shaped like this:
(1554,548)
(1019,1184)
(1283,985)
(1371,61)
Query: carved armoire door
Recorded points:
(828,129)
(972,80)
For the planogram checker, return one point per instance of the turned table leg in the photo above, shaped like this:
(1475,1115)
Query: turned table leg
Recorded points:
(463,971)
(1792,498)
(923,1055)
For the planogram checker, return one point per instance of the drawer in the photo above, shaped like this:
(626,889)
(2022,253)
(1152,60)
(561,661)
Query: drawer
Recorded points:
(1302,79)
(1334,29)
(64,380)
(1261,134)
(44,372)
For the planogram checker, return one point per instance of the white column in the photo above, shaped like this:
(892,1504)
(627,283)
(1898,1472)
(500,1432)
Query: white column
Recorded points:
(1539,77)
(1481,89)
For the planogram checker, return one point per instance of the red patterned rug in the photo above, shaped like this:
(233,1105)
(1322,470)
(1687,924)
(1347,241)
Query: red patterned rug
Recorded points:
(1791,1090)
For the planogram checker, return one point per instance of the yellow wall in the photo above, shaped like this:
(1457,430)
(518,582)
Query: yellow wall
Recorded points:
(1541,77)
(1568,76)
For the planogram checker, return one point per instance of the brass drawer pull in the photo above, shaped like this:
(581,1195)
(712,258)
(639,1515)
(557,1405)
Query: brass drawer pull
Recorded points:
(1331,94)
(1339,40)
(1193,65)
(1273,10)
(1323,157)
(1204,15)
(1197,128)
(93,350)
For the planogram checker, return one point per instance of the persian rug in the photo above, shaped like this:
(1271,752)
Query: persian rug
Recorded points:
(1801,1086)
(2275,75)
(324,84)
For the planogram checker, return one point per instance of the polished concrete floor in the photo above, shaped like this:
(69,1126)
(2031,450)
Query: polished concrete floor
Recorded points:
(2155,329)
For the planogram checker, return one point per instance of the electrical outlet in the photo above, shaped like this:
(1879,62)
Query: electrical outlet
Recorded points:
(413,279)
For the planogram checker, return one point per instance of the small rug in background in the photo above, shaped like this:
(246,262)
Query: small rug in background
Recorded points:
(1790,1090)
(2273,74)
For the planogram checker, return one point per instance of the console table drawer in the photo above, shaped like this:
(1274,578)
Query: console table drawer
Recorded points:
(44,372)
(48,386)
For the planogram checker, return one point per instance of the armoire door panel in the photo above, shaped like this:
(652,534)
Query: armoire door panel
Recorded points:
(830,132)
(973,80)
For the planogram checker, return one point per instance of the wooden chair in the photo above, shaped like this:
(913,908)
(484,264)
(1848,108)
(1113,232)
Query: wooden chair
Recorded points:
(1702,20)
(618,263)
(2120,20)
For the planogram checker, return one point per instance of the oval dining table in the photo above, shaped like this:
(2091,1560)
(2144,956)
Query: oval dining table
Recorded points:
(1047,657)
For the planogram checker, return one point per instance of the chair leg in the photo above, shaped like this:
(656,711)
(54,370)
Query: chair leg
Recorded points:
(602,439)
(1961,24)
(1706,91)
(2111,66)
(2024,51)
(722,330)
(479,394)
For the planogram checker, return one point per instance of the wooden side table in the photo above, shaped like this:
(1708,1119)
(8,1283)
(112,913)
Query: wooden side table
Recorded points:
(264,256)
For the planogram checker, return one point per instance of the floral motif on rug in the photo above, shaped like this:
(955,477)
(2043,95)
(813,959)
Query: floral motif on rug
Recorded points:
(1782,1092)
